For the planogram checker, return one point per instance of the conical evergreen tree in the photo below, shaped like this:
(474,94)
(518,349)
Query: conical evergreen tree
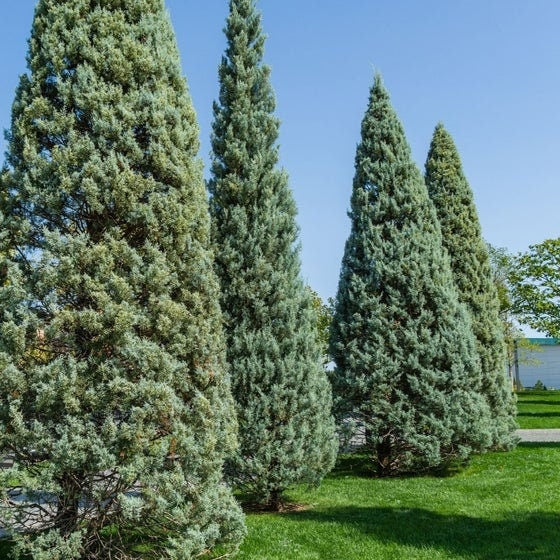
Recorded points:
(113,393)
(470,264)
(283,399)
(406,365)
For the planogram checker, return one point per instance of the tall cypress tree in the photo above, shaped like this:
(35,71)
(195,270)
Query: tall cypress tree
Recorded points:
(283,399)
(405,358)
(113,393)
(470,264)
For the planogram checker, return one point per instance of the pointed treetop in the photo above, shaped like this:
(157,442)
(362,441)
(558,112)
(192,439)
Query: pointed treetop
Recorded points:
(245,129)
(449,189)
(384,165)
(443,148)
(378,85)
(379,95)
(382,130)
(244,34)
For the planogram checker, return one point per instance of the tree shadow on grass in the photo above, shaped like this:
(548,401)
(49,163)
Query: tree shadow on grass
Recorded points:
(360,465)
(540,414)
(353,464)
(547,444)
(551,402)
(530,536)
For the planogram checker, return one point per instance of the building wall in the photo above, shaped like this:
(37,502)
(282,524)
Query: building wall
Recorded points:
(543,365)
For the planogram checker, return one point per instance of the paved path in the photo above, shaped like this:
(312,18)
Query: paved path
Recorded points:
(539,435)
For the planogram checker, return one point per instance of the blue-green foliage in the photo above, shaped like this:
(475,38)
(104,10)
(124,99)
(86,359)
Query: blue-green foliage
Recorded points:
(286,430)
(462,238)
(406,365)
(113,392)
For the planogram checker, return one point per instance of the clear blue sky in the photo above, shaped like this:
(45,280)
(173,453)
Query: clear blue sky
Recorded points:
(489,69)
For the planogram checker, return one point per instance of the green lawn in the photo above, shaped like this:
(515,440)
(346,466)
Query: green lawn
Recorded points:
(538,409)
(503,506)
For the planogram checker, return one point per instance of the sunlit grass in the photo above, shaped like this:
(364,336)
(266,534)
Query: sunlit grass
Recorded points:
(538,409)
(502,506)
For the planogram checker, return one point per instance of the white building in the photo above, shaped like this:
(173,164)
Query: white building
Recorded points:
(541,364)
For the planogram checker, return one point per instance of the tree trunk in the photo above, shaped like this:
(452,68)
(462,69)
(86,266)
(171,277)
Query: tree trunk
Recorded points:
(275,501)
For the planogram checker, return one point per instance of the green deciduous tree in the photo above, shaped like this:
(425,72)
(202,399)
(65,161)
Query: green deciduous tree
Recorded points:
(462,238)
(281,391)
(113,393)
(518,347)
(535,284)
(324,312)
(500,266)
(406,366)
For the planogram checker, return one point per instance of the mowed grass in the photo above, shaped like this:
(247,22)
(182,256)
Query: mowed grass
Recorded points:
(502,506)
(538,409)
